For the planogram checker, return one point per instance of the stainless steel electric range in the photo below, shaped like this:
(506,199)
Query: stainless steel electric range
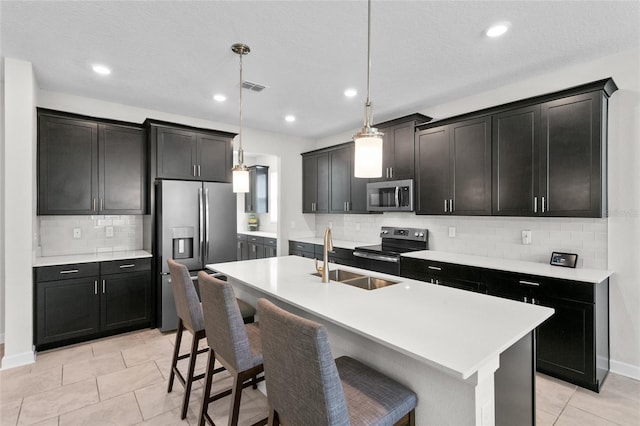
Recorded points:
(385,257)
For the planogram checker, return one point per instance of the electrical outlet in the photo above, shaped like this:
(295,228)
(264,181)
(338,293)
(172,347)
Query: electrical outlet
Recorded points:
(77,233)
(357,226)
(452,232)
(109,231)
(526,236)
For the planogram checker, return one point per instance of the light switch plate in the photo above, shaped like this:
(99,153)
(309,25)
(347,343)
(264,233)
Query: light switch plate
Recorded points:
(452,231)
(526,236)
(77,233)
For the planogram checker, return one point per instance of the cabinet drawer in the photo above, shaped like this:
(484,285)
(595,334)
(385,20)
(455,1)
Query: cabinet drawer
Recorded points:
(62,272)
(425,269)
(242,237)
(125,265)
(254,239)
(298,246)
(500,282)
(270,242)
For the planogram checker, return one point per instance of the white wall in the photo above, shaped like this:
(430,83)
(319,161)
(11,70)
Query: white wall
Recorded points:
(2,213)
(19,209)
(623,223)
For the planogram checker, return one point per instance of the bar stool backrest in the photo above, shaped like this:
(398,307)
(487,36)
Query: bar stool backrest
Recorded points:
(225,329)
(303,384)
(186,298)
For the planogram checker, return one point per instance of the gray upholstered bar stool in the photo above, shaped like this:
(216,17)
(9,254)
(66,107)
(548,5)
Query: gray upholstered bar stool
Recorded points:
(190,318)
(306,386)
(237,346)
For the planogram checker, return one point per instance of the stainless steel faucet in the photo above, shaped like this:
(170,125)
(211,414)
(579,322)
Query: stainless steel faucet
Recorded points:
(326,248)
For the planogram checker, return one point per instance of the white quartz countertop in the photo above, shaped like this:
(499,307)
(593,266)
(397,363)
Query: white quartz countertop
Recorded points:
(264,234)
(88,258)
(453,330)
(350,245)
(532,268)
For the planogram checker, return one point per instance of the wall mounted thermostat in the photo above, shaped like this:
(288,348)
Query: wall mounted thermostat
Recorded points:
(568,260)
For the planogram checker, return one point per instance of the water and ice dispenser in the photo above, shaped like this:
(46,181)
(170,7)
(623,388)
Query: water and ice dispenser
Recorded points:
(182,238)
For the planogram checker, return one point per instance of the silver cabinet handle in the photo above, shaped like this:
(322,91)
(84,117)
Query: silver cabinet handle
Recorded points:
(129,265)
(529,283)
(194,170)
(95,287)
(450,205)
(543,205)
(525,299)
(103,286)
(391,172)
(199,170)
(535,204)
(101,204)
(94,205)
(445,206)
(70,271)
(435,268)
(533,300)
(387,172)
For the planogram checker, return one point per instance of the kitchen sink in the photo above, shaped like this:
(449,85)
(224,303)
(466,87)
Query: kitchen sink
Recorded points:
(357,280)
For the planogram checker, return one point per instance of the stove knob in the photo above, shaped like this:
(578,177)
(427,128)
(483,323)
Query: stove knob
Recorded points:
(385,232)
(421,234)
(415,235)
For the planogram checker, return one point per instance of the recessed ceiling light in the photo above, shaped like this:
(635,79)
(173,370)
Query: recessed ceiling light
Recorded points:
(350,93)
(101,69)
(219,97)
(497,29)
(290,118)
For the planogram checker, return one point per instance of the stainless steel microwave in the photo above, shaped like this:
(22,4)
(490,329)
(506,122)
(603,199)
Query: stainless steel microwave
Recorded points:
(390,196)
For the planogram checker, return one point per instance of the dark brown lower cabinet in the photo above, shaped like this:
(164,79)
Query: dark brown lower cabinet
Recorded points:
(83,301)
(253,247)
(572,345)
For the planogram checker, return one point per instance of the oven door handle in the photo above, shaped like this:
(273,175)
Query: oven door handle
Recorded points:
(383,258)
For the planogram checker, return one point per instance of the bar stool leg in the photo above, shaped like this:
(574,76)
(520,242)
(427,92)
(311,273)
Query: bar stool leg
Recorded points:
(176,351)
(207,387)
(189,381)
(274,420)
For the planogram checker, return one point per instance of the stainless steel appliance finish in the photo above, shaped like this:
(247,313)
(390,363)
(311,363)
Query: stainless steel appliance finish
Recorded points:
(195,225)
(385,257)
(395,195)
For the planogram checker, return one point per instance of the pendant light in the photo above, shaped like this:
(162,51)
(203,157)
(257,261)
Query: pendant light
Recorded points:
(368,141)
(240,171)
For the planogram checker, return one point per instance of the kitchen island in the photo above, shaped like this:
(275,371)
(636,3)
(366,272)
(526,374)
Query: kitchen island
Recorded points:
(448,345)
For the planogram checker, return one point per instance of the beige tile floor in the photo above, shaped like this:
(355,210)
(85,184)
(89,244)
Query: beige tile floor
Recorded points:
(122,380)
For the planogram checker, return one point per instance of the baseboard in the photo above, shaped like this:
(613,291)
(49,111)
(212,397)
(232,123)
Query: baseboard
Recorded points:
(624,369)
(18,360)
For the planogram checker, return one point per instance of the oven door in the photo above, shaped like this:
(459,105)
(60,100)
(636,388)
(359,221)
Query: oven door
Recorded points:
(377,262)
(390,196)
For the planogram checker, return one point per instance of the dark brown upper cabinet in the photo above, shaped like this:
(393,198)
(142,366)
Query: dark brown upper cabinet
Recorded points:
(87,166)
(453,168)
(549,159)
(189,153)
(398,150)
(315,182)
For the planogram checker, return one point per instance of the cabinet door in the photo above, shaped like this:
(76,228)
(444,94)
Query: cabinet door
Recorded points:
(123,169)
(515,175)
(398,160)
(470,178)
(256,250)
(566,341)
(340,179)
(432,170)
(125,300)
(67,166)
(315,183)
(177,154)
(214,158)
(571,156)
(66,309)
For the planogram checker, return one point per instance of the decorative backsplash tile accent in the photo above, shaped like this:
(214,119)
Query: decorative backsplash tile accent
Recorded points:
(100,233)
(486,236)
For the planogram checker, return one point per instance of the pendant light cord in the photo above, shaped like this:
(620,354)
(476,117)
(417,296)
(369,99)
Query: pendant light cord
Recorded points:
(240,151)
(367,105)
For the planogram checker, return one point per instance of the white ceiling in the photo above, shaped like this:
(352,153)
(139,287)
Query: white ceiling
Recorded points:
(173,56)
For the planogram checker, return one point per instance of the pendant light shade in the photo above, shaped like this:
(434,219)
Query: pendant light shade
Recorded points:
(240,172)
(368,141)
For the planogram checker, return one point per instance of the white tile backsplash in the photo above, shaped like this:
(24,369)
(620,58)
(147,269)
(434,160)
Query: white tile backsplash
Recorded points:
(485,236)
(56,234)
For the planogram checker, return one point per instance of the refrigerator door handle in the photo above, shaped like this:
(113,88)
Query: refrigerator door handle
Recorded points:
(207,229)
(201,224)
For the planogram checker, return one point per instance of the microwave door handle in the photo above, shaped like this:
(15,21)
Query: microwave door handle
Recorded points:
(397,196)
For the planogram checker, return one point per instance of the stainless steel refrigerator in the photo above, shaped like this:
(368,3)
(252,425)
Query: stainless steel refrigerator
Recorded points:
(195,224)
